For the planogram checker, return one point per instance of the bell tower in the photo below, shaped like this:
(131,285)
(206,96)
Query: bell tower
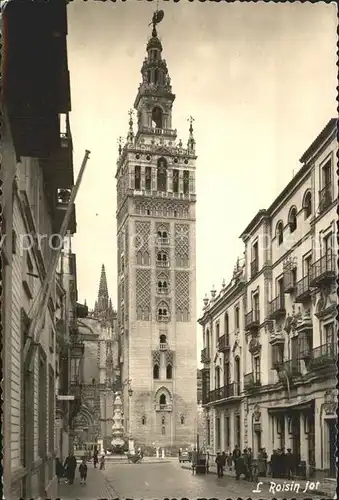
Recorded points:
(156,265)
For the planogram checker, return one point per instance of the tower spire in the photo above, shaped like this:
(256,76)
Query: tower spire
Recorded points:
(102,303)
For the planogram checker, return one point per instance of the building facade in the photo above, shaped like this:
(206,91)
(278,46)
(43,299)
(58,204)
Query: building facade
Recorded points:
(156,267)
(290,301)
(223,360)
(97,372)
(37,178)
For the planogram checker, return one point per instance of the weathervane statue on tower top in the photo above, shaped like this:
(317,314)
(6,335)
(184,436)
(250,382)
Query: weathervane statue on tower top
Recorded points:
(157,18)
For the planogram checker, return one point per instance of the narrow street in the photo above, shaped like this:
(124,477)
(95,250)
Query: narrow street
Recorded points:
(170,480)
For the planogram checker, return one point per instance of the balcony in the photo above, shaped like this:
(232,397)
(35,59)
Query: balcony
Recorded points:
(158,131)
(224,343)
(323,271)
(163,407)
(162,263)
(289,281)
(231,390)
(276,308)
(290,369)
(35,91)
(163,346)
(162,291)
(205,355)
(277,337)
(77,346)
(254,268)
(163,242)
(303,290)
(252,320)
(324,357)
(325,197)
(163,318)
(252,381)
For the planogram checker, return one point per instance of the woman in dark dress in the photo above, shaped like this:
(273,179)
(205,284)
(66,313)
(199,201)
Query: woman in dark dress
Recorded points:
(70,466)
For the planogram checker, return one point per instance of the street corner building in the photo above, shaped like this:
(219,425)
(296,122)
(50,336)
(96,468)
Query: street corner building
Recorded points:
(37,178)
(270,337)
(157,267)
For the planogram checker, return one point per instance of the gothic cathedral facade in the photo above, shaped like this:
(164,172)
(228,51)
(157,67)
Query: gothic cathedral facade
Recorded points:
(157,267)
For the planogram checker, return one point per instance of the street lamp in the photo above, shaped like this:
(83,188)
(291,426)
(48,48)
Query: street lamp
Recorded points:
(130,394)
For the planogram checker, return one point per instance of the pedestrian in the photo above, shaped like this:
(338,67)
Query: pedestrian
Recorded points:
(235,455)
(194,460)
(218,461)
(95,458)
(83,471)
(102,462)
(274,458)
(59,470)
(289,463)
(250,464)
(70,465)
(224,460)
(246,463)
(239,467)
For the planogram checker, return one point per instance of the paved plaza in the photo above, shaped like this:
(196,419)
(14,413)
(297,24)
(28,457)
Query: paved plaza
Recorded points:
(164,480)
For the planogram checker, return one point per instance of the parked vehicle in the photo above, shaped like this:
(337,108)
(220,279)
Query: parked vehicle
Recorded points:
(184,457)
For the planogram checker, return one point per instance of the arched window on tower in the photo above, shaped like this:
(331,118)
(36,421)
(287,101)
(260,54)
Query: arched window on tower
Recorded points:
(163,339)
(137,177)
(162,175)
(148,76)
(169,372)
(186,181)
(157,117)
(156,372)
(156,75)
(162,400)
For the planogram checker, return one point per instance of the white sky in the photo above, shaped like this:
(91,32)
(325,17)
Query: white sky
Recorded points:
(259,79)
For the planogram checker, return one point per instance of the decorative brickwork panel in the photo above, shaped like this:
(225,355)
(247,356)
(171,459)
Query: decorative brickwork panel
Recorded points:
(182,295)
(182,245)
(164,208)
(169,358)
(156,357)
(143,294)
(142,232)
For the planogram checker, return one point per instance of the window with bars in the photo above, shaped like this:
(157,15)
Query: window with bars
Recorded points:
(218,432)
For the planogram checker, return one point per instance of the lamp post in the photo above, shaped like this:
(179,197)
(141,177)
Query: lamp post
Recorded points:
(130,394)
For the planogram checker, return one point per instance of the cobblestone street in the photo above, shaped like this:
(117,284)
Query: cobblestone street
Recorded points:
(150,481)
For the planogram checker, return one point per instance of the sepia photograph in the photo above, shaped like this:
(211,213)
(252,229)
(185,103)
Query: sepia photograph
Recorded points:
(169,250)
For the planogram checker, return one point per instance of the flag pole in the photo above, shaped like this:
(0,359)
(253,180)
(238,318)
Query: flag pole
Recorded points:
(36,325)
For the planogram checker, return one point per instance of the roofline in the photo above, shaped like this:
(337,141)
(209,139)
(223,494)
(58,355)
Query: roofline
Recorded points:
(259,215)
(320,139)
(324,134)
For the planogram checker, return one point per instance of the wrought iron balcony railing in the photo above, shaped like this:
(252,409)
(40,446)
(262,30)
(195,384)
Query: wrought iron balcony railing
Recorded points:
(324,355)
(252,319)
(276,307)
(254,267)
(323,271)
(252,380)
(205,355)
(303,289)
(325,198)
(224,343)
(227,391)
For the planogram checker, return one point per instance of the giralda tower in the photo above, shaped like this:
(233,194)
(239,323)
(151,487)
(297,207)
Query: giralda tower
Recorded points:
(156,265)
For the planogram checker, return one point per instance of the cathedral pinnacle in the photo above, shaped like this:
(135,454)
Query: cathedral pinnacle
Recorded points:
(103,306)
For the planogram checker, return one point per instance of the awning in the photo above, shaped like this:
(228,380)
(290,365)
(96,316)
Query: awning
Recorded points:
(296,405)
